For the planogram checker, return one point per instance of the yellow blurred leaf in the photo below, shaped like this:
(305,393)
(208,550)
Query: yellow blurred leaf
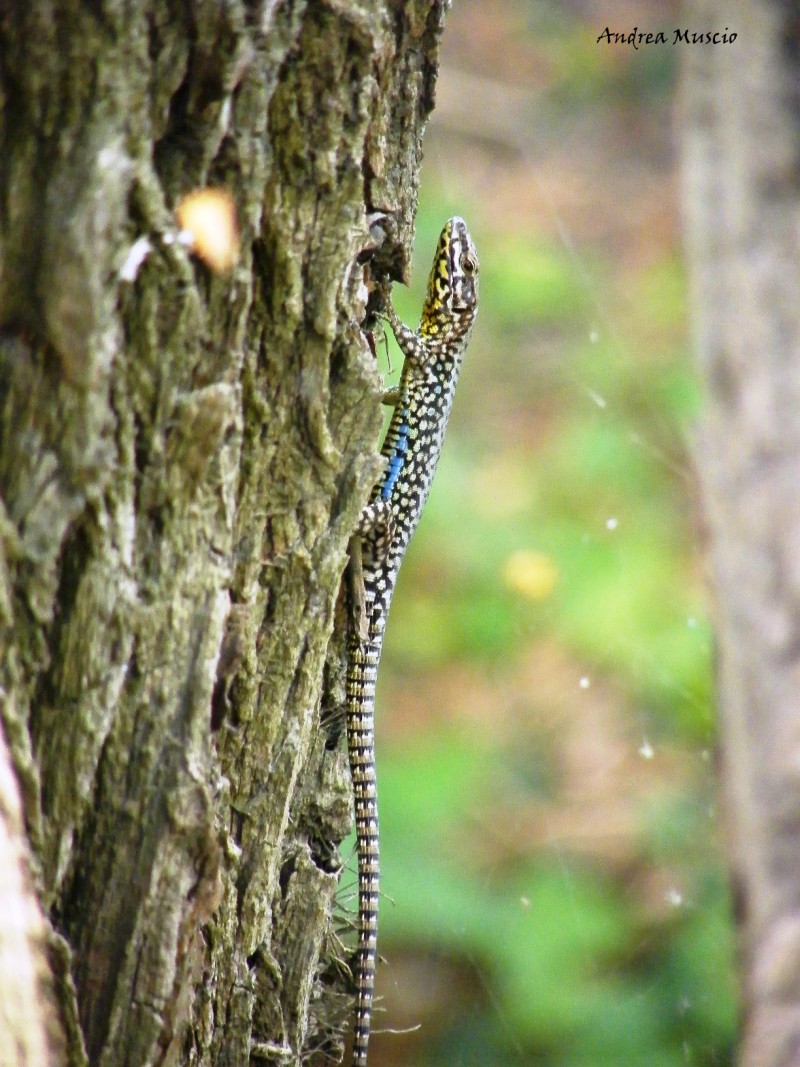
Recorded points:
(531,574)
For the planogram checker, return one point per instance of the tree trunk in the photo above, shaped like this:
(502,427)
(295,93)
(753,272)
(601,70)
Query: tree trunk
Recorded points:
(741,151)
(183,456)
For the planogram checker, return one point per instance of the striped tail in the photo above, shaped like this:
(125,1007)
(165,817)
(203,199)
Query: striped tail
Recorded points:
(361,675)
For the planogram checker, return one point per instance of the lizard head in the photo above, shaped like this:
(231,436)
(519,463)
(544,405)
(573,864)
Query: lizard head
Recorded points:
(453,282)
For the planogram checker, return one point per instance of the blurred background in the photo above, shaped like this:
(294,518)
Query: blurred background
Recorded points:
(555,889)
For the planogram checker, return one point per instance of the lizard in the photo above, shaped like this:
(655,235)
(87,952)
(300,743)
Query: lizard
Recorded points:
(432,361)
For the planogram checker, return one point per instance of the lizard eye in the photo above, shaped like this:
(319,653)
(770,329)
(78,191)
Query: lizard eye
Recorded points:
(467,263)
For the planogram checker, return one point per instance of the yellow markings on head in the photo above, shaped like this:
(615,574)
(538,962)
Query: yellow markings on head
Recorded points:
(451,297)
(429,325)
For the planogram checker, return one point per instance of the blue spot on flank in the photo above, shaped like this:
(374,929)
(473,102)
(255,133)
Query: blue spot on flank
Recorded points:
(396,461)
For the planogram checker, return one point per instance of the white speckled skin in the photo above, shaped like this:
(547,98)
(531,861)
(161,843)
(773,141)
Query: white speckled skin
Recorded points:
(433,357)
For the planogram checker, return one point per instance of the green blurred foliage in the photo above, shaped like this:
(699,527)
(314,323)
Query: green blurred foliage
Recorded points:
(563,518)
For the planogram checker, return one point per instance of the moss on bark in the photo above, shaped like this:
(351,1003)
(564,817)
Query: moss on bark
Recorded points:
(183,457)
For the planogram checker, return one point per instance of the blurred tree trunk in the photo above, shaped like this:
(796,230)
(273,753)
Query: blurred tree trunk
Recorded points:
(183,456)
(742,199)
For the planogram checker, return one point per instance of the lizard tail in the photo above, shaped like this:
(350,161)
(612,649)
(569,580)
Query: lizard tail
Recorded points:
(361,746)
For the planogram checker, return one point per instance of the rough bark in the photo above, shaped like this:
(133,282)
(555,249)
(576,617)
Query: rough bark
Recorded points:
(742,155)
(183,457)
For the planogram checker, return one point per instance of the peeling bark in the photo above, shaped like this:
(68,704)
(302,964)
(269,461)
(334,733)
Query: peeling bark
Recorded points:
(183,457)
